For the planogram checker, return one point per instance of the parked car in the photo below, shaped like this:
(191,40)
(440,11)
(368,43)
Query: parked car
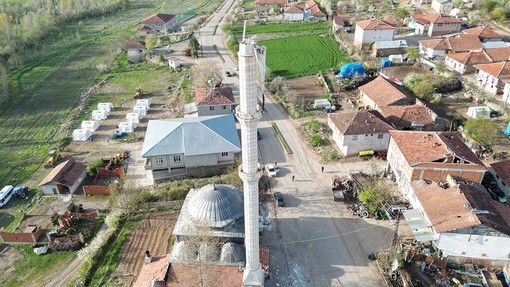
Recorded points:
(272,170)
(279,198)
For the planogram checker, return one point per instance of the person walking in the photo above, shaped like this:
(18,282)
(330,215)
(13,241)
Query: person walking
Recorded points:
(293,177)
(322,169)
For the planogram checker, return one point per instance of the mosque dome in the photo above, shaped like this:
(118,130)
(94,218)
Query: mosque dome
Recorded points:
(232,253)
(216,205)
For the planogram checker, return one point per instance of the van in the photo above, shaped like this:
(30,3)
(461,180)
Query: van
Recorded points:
(6,194)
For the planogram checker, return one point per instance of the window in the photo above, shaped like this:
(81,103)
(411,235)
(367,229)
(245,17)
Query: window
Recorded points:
(211,108)
(224,154)
(224,107)
(159,160)
(177,158)
(355,137)
(380,136)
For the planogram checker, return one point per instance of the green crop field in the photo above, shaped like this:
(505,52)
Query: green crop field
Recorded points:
(316,27)
(299,56)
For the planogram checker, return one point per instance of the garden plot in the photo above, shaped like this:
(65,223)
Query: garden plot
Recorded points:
(153,234)
(307,87)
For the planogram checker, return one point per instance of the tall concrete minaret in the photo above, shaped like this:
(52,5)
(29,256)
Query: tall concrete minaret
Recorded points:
(250,171)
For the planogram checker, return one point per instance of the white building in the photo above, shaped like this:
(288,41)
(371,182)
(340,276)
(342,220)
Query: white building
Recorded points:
(442,6)
(359,131)
(434,24)
(135,50)
(65,178)
(372,30)
(506,91)
(491,76)
(463,221)
(481,112)
(293,13)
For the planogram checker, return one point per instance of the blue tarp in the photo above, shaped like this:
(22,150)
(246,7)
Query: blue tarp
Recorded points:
(385,63)
(350,70)
(507,131)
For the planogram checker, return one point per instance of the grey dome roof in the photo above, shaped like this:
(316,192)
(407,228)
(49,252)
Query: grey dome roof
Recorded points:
(232,253)
(183,252)
(216,205)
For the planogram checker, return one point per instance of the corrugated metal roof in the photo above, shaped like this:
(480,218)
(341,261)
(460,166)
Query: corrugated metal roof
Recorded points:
(191,136)
(495,44)
(391,44)
(421,230)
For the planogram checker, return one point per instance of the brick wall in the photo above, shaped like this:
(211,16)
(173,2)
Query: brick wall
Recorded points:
(118,172)
(96,190)
(18,237)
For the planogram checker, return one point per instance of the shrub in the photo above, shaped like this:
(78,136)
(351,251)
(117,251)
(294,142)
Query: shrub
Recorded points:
(499,14)
(489,5)
(412,80)
(313,126)
(92,168)
(448,85)
(122,61)
(177,193)
(317,140)
(483,131)
(424,89)
(329,154)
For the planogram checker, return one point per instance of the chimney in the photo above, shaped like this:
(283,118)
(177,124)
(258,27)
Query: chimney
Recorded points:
(148,258)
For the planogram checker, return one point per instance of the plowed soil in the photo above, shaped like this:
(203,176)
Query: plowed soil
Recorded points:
(154,235)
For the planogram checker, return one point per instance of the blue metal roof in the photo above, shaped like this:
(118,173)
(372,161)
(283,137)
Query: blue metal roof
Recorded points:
(191,136)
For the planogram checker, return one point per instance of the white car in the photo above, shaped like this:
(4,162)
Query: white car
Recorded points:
(272,170)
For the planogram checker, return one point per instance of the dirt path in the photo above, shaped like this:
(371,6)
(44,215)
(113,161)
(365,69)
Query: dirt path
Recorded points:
(65,276)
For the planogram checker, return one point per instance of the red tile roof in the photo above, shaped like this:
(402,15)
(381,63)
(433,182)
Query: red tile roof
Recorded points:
(442,147)
(134,45)
(435,44)
(66,173)
(280,3)
(158,18)
(405,116)
(500,70)
(316,11)
(360,122)
(339,21)
(483,32)
(214,96)
(463,43)
(374,24)
(157,269)
(384,92)
(502,169)
(435,19)
(483,56)
(292,9)
(210,275)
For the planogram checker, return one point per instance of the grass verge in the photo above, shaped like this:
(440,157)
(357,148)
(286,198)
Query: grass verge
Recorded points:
(281,139)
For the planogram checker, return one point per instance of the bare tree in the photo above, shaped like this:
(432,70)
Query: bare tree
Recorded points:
(206,74)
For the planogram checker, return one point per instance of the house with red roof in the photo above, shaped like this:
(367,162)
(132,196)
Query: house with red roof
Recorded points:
(65,178)
(267,6)
(359,131)
(431,156)
(434,24)
(413,117)
(135,50)
(491,77)
(383,92)
(308,10)
(460,219)
(160,22)
(484,33)
(501,171)
(214,101)
(464,62)
(372,30)
(454,44)
(338,23)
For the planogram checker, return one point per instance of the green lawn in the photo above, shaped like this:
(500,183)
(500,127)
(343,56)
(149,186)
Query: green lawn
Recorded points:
(313,27)
(299,56)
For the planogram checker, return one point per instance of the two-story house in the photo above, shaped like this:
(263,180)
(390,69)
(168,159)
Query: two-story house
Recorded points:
(464,62)
(434,24)
(454,44)
(491,76)
(214,101)
(160,22)
(359,131)
(501,171)
(463,221)
(425,155)
(383,92)
(198,146)
(372,30)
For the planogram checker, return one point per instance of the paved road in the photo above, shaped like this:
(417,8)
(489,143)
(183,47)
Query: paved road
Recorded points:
(314,241)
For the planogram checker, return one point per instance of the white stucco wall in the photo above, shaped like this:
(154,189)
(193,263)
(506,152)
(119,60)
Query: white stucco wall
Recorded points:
(487,82)
(428,52)
(420,29)
(201,160)
(506,93)
(353,144)
(293,17)
(443,29)
(453,65)
(370,36)
(444,8)
(218,110)
(474,246)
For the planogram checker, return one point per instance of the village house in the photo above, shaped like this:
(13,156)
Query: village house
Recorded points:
(461,219)
(413,117)
(464,62)
(293,13)
(455,44)
(338,23)
(386,48)
(372,30)
(359,131)
(491,76)
(457,14)
(268,6)
(501,172)
(434,24)
(65,178)
(383,92)
(211,101)
(424,155)
(308,10)
(484,33)
(442,6)
(160,22)
(197,147)
(135,50)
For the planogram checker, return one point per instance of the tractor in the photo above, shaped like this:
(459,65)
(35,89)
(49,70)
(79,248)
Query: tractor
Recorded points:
(53,157)
(138,93)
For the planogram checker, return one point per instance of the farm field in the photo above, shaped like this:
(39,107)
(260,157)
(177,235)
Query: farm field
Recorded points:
(318,27)
(47,89)
(302,55)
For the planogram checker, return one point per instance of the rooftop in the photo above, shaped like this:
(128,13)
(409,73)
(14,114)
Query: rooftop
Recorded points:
(158,18)
(384,92)
(134,45)
(66,173)
(483,32)
(360,122)
(439,44)
(482,56)
(463,43)
(157,269)
(498,70)
(405,116)
(374,24)
(424,146)
(502,169)
(339,21)
(214,96)
(435,19)
(182,275)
